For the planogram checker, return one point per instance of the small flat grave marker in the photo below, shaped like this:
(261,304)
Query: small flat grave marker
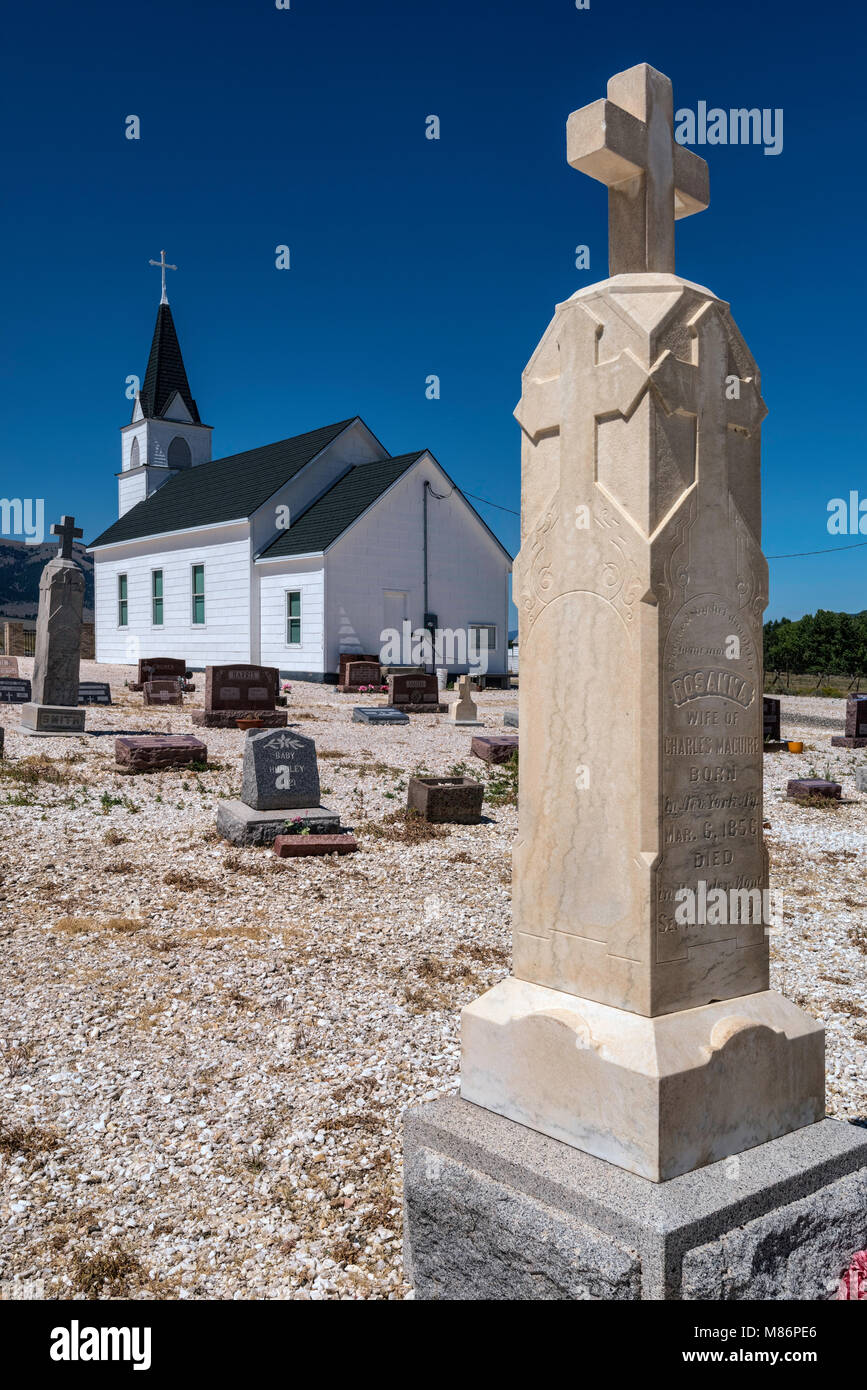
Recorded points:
(378,714)
(8,665)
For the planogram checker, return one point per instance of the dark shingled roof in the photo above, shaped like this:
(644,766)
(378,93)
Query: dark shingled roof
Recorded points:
(165,370)
(224,490)
(336,509)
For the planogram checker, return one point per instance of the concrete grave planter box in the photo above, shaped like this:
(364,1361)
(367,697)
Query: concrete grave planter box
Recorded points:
(441,799)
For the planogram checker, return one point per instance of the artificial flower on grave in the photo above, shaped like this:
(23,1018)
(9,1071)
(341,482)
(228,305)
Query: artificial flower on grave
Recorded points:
(854,1282)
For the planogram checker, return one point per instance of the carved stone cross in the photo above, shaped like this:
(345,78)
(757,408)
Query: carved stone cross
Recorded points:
(626,142)
(67,530)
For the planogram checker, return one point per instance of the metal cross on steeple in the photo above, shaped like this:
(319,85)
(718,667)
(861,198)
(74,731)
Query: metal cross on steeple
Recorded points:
(67,530)
(627,142)
(164,266)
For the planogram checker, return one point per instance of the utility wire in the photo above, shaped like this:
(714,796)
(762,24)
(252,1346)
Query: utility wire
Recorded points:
(511,510)
(792,555)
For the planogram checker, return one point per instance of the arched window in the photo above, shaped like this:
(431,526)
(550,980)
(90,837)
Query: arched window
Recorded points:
(179,453)
(133,455)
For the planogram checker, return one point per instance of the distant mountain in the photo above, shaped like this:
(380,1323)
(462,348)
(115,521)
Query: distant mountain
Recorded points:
(21,567)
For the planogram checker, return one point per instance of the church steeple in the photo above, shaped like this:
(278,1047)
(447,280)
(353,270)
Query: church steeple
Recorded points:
(166,433)
(166,372)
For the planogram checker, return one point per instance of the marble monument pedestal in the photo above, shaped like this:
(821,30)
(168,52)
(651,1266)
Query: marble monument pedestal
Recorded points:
(657,1095)
(51,721)
(494,1210)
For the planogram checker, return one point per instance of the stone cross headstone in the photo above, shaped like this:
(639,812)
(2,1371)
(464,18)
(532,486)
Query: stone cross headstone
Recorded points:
(638,1026)
(279,770)
(54,702)
(464,710)
(641,770)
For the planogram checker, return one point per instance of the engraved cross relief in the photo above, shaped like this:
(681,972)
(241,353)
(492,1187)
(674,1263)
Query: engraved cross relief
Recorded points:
(626,142)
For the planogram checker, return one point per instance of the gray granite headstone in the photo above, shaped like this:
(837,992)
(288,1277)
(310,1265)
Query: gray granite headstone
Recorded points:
(379,714)
(279,771)
(94,693)
(14,690)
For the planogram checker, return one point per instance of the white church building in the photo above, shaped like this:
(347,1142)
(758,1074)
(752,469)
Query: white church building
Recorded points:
(288,554)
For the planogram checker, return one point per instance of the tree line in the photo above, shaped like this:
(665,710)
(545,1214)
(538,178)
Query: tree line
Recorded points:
(820,644)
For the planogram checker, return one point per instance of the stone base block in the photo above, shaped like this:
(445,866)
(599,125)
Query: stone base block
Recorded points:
(154,753)
(238,822)
(844,741)
(299,846)
(773,745)
(228,719)
(493,1210)
(51,721)
(495,748)
(657,1096)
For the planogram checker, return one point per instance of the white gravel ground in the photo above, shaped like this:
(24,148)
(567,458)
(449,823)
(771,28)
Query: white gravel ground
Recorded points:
(205,1053)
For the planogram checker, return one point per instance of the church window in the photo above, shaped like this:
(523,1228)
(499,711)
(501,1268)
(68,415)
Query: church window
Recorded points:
(179,453)
(198,593)
(134,455)
(293,617)
(157,598)
(122,603)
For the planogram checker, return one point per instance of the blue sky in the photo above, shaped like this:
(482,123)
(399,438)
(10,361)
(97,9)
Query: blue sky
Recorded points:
(410,257)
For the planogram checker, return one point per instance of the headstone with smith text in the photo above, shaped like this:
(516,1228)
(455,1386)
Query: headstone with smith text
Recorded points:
(53,708)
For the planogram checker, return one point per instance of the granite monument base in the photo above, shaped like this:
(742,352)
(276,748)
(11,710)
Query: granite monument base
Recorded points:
(493,1210)
(239,823)
(848,741)
(51,721)
(228,719)
(657,1096)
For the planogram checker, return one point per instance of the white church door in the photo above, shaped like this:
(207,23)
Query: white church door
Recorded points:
(395,608)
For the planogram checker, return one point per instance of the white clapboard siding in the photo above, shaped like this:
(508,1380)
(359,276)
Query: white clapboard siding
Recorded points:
(275,581)
(467,570)
(225,634)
